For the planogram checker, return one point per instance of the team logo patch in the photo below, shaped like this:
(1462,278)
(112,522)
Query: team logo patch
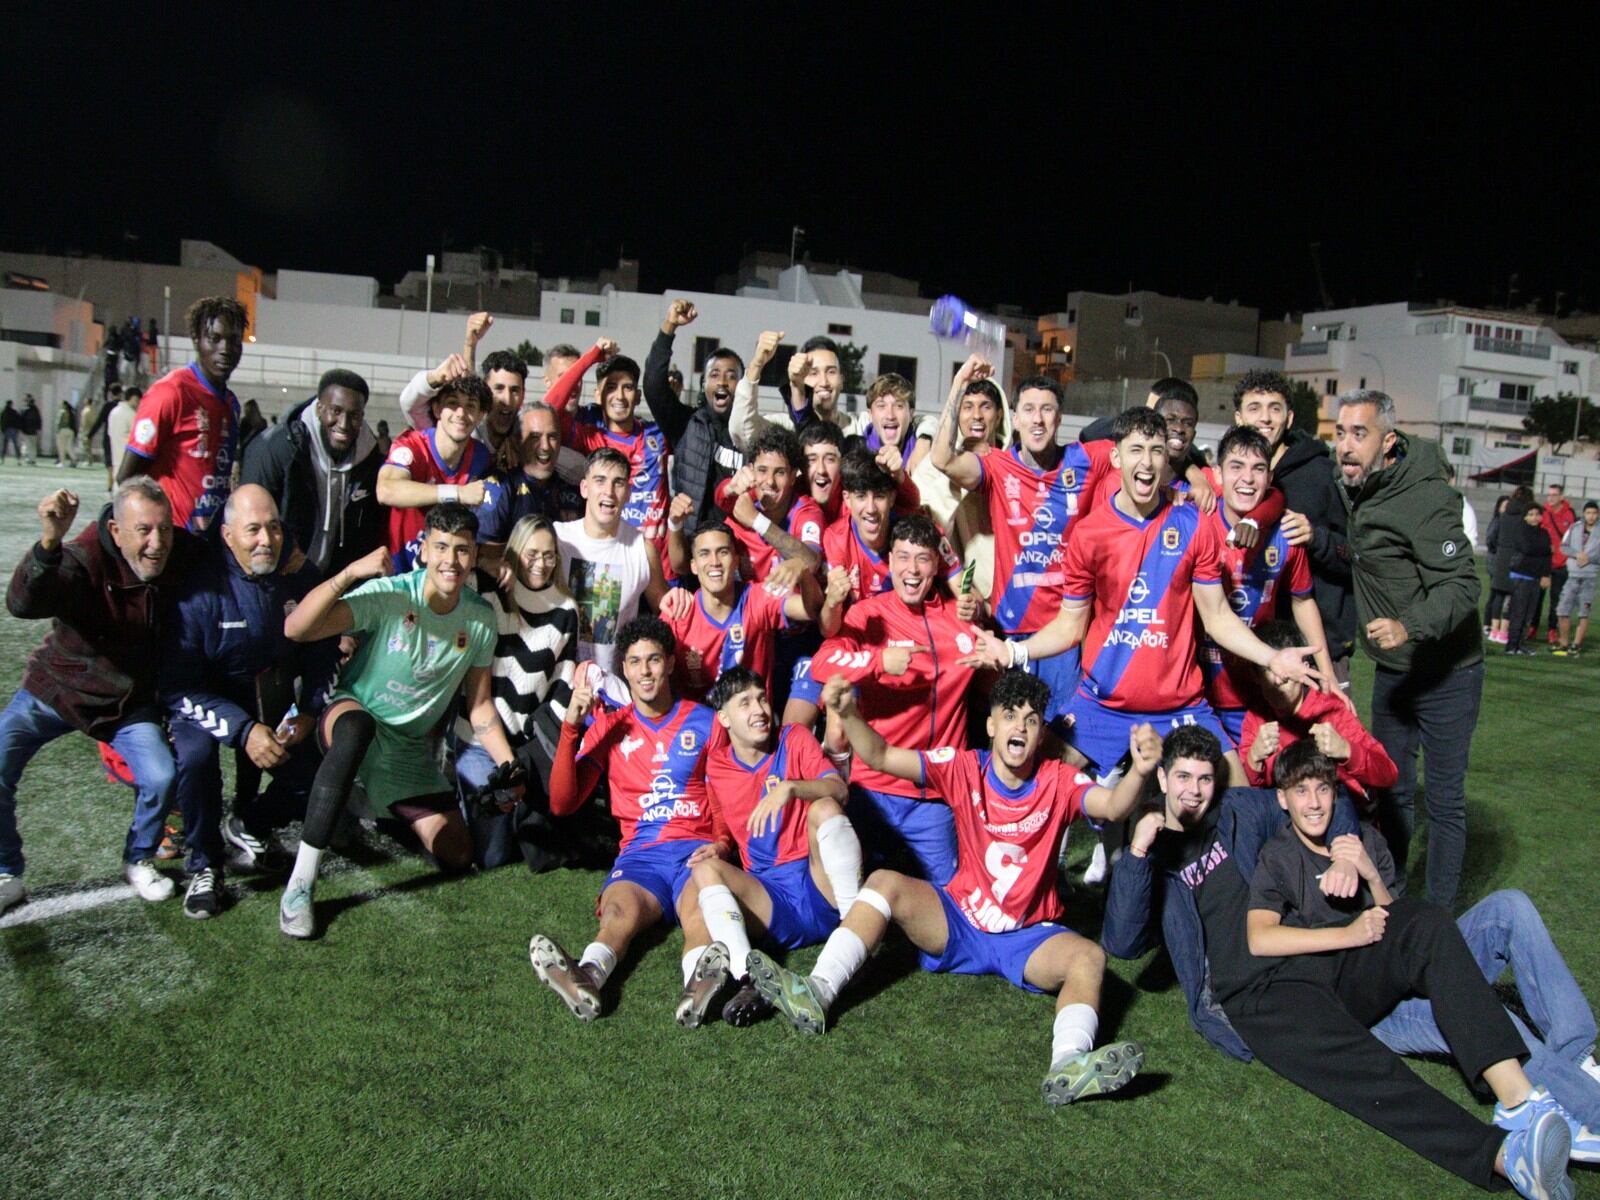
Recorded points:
(1069,478)
(629,745)
(401,456)
(736,634)
(145,430)
(1272,556)
(941,754)
(461,639)
(653,443)
(1138,590)
(1449,549)
(1043,518)
(1169,538)
(963,643)
(688,740)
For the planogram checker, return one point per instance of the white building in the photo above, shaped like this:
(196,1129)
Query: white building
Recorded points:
(1461,375)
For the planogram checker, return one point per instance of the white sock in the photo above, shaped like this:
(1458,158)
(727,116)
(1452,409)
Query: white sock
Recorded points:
(841,957)
(601,961)
(725,924)
(840,852)
(1075,1027)
(691,959)
(305,867)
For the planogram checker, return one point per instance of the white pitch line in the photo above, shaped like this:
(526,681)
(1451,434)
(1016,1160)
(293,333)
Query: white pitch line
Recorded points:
(58,906)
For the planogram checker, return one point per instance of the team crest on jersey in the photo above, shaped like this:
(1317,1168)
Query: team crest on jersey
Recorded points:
(688,740)
(736,634)
(1169,538)
(941,754)
(461,639)
(144,431)
(401,456)
(1069,478)
(652,442)
(1272,556)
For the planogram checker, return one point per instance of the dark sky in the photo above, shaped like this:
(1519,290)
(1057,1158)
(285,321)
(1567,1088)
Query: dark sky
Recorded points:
(1003,158)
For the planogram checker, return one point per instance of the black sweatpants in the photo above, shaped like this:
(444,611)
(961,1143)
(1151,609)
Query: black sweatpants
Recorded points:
(1524,611)
(1310,1020)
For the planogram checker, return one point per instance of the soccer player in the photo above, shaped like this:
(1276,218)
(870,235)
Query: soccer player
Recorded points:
(976,418)
(652,753)
(815,382)
(186,430)
(823,445)
(1253,578)
(1036,492)
(998,915)
(802,862)
(889,422)
(905,648)
(772,517)
(1143,566)
(440,465)
(858,542)
(729,623)
(615,425)
(425,634)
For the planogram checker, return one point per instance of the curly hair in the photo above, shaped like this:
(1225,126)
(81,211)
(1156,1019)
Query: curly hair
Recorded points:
(1261,379)
(210,308)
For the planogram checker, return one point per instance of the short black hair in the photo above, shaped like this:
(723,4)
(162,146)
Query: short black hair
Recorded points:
(731,682)
(860,471)
(209,308)
(1138,420)
(1301,761)
(984,387)
(1016,688)
(504,360)
(720,352)
(609,456)
(1173,388)
(465,387)
(1261,379)
(775,439)
(1040,383)
(452,517)
(1281,635)
(822,431)
(1590,504)
(1245,439)
(134,392)
(918,529)
(821,342)
(712,527)
(645,629)
(619,364)
(339,377)
(1191,741)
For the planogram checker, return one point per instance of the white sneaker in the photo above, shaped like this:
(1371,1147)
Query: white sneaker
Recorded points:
(1588,1066)
(11,892)
(150,883)
(1096,872)
(295,915)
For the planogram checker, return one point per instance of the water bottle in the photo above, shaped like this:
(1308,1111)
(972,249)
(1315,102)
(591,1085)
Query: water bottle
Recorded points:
(951,317)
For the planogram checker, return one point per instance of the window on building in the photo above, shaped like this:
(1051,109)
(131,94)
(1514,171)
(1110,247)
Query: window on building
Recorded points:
(704,348)
(900,364)
(1465,383)
(1363,384)
(568,316)
(840,330)
(1516,391)
(591,317)
(1072,316)
(1569,367)
(1332,388)
(1461,447)
(1132,312)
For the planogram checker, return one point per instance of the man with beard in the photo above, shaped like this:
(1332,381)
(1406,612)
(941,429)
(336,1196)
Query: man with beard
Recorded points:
(506,376)
(534,489)
(1416,605)
(703,453)
(320,465)
(816,381)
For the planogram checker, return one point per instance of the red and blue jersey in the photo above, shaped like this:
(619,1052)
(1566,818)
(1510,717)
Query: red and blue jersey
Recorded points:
(1251,580)
(843,546)
(736,789)
(1139,654)
(804,522)
(707,647)
(1032,514)
(416,451)
(655,771)
(1008,839)
(189,432)
(646,450)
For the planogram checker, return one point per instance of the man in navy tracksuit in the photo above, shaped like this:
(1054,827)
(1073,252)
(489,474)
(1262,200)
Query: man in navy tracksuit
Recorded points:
(226,629)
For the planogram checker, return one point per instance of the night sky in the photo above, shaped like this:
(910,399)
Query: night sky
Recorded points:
(1006,160)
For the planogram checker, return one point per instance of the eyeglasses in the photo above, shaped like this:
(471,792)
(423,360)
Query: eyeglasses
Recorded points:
(544,556)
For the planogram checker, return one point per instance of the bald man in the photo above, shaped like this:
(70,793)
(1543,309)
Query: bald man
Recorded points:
(227,675)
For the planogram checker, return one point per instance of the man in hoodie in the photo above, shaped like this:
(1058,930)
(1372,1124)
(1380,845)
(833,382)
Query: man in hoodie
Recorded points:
(1417,614)
(320,466)
(1582,546)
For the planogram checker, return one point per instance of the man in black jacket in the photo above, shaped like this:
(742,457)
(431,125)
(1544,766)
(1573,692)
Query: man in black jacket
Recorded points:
(702,448)
(321,467)
(1303,470)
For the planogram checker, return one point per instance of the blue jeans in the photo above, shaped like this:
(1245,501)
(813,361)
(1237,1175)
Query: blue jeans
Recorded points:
(493,844)
(28,724)
(1505,929)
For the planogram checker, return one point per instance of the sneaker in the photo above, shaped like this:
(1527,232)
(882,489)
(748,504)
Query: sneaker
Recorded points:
(1560,651)
(296,917)
(1498,638)
(12,892)
(746,1007)
(1101,1070)
(567,979)
(1095,873)
(1537,1146)
(791,994)
(204,897)
(249,851)
(150,883)
(709,978)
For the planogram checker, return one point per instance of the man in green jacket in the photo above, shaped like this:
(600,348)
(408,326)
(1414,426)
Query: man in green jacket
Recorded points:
(1416,612)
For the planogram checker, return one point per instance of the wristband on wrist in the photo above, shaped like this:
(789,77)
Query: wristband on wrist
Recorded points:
(449,493)
(674,526)
(1019,653)
(761,524)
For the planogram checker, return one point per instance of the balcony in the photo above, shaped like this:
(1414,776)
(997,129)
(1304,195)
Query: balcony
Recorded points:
(1489,345)
(1497,404)
(1307,349)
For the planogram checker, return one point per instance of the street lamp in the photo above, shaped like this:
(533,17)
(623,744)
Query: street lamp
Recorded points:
(427,324)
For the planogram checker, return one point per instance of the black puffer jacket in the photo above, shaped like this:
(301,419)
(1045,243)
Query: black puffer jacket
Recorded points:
(703,453)
(1307,477)
(1504,545)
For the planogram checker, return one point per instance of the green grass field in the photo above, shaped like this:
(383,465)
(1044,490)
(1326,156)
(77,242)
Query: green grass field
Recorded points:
(412,1052)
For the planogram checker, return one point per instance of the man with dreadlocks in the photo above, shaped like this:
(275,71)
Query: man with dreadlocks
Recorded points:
(186,431)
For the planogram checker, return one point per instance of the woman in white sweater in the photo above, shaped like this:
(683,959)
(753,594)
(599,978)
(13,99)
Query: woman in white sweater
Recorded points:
(535,656)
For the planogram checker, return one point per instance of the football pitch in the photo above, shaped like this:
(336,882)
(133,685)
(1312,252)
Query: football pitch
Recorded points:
(411,1052)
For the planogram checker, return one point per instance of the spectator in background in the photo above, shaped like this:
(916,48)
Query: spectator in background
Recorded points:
(100,428)
(29,424)
(558,361)
(1582,546)
(67,435)
(1500,565)
(10,432)
(384,440)
(152,345)
(321,467)
(1558,518)
(251,423)
(1494,607)
(1469,519)
(90,422)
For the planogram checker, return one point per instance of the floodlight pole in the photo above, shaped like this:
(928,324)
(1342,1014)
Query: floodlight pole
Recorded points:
(427,324)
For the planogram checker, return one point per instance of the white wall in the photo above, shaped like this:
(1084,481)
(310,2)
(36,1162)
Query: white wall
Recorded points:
(319,287)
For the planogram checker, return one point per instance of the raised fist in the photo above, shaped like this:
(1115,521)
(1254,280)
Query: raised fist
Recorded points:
(681,312)
(57,511)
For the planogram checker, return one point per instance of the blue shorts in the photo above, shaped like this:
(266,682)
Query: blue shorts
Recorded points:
(924,829)
(801,914)
(802,686)
(1062,673)
(969,951)
(660,868)
(1232,719)
(1100,734)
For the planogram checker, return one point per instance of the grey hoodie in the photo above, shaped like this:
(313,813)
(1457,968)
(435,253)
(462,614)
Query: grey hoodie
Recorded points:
(1574,542)
(333,484)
